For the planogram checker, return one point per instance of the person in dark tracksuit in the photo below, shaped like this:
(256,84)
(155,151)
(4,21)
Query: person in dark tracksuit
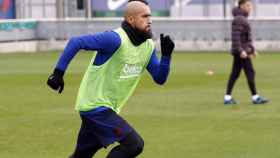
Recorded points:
(242,51)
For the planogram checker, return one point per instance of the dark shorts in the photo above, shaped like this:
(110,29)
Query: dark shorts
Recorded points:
(103,127)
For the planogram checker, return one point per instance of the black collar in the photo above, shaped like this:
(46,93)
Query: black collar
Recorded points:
(136,37)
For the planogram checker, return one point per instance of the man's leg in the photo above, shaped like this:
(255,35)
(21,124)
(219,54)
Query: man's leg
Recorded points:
(250,74)
(130,147)
(235,72)
(87,143)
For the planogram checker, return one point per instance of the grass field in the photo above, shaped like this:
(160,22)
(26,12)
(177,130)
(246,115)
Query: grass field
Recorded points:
(185,118)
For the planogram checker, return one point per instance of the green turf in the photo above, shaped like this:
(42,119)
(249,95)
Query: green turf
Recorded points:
(183,119)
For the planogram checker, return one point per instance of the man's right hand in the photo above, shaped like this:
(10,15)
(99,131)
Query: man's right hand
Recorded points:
(243,55)
(55,80)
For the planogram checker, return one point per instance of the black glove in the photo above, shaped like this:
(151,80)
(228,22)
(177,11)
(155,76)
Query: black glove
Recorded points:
(167,45)
(55,81)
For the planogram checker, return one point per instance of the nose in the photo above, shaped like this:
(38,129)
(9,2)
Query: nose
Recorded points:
(149,21)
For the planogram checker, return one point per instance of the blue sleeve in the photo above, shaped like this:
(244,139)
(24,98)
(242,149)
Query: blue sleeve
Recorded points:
(159,70)
(105,43)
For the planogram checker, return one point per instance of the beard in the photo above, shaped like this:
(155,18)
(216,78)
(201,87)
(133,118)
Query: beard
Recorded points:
(144,34)
(136,35)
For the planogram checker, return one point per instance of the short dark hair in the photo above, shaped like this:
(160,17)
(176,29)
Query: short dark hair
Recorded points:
(143,1)
(241,2)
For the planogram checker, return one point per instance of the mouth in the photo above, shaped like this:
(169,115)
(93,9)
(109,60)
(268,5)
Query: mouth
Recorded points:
(148,28)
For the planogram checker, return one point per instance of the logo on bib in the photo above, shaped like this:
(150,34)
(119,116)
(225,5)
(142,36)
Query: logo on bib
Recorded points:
(131,70)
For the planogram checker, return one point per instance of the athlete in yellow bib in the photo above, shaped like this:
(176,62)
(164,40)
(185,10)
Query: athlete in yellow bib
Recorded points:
(122,55)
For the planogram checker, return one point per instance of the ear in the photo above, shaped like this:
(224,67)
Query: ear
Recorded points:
(130,20)
(242,7)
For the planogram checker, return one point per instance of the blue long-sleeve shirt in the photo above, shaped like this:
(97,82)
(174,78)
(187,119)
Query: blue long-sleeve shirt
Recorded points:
(106,44)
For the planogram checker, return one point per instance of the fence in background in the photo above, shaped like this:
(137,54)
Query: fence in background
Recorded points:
(197,34)
(25,9)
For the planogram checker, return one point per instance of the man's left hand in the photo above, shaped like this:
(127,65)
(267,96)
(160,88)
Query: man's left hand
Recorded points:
(254,55)
(167,45)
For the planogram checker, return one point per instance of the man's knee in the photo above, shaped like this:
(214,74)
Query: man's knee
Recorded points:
(254,72)
(136,148)
(133,144)
(251,74)
(235,75)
